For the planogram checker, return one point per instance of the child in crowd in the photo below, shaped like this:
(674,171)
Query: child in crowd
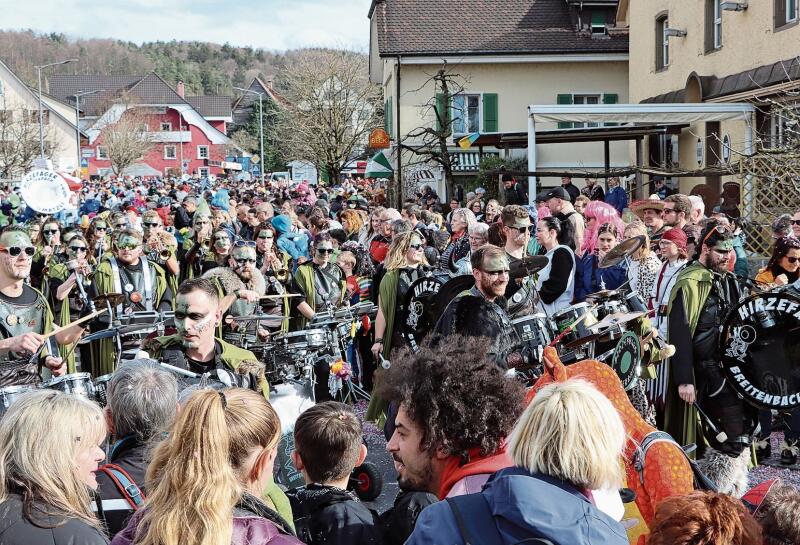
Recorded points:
(328,446)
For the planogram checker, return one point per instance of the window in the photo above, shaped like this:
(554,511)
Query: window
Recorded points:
(662,42)
(791,12)
(585,99)
(203,172)
(713,25)
(466,114)
(169,152)
(101,153)
(598,25)
(166,126)
(786,12)
(783,127)
(202,152)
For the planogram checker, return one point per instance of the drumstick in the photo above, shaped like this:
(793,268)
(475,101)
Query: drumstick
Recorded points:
(57,330)
(280,296)
(226,302)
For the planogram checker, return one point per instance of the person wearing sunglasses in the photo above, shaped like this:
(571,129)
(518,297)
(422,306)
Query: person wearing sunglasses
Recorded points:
(26,316)
(97,235)
(221,246)
(196,244)
(142,283)
(48,253)
(480,311)
(161,246)
(784,266)
(517,233)
(705,291)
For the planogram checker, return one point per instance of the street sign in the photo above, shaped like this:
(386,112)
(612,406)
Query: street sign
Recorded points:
(87,153)
(84,163)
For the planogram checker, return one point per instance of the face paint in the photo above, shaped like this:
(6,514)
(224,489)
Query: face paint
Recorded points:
(127,241)
(19,267)
(15,238)
(498,263)
(244,253)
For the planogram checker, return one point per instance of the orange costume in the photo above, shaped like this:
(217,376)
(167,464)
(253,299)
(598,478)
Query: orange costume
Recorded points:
(666,471)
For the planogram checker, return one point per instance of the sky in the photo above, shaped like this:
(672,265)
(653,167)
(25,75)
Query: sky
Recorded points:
(269,24)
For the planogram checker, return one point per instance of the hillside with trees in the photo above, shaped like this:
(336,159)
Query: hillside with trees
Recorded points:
(205,68)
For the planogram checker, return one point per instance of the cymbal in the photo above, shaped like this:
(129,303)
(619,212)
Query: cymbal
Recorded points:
(617,318)
(602,294)
(113,298)
(618,253)
(527,266)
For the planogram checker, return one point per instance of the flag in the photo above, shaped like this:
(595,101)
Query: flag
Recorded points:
(467,141)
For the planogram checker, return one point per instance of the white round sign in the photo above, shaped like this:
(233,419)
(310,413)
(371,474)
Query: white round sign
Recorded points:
(44,191)
(726,149)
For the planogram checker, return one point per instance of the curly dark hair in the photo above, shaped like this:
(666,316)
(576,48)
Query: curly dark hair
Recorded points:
(456,394)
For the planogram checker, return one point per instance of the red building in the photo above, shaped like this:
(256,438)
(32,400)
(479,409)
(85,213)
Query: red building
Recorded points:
(187,133)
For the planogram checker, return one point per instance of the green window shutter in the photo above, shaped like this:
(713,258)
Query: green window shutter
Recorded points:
(490,116)
(386,115)
(610,99)
(442,113)
(564,99)
(389,117)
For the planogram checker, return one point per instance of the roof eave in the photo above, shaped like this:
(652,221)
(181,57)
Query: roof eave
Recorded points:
(502,52)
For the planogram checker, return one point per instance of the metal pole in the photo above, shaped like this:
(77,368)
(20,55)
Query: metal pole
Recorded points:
(531,158)
(41,125)
(261,131)
(78,133)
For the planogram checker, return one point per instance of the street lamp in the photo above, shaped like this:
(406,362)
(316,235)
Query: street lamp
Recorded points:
(41,124)
(78,121)
(260,123)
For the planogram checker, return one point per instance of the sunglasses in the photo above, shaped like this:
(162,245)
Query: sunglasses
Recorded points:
(792,259)
(103,228)
(78,248)
(245,244)
(120,226)
(244,260)
(127,246)
(14,251)
(50,232)
(416,246)
(530,228)
(148,224)
(266,237)
(795,222)
(325,251)
(719,229)
(497,273)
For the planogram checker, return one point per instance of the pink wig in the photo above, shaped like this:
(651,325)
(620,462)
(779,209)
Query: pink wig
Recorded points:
(603,213)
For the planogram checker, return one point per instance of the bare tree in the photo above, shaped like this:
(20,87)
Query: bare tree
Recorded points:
(126,136)
(19,140)
(428,143)
(332,108)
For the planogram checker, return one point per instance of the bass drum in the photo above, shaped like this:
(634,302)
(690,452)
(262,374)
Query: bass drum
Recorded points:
(760,348)
(418,313)
(289,400)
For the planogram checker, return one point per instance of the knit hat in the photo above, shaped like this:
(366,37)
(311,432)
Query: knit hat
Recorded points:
(677,236)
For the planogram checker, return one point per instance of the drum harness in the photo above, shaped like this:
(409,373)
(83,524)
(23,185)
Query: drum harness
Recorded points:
(148,282)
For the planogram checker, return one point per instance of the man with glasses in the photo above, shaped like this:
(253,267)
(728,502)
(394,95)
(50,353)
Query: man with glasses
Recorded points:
(50,253)
(142,283)
(242,279)
(677,211)
(704,292)
(480,312)
(160,245)
(321,282)
(25,316)
(517,229)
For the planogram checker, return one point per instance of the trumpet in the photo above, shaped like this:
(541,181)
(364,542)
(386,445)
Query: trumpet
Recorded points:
(160,246)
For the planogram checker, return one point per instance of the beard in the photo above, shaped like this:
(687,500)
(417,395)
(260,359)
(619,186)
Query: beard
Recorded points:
(245,274)
(18,271)
(493,289)
(414,479)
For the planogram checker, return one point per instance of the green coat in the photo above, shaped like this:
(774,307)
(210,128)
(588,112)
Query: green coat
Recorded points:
(103,351)
(387,292)
(304,277)
(60,272)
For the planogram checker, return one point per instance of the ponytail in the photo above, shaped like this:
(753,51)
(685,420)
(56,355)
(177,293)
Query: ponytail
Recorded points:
(193,488)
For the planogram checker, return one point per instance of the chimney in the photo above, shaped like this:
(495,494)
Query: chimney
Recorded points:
(180,89)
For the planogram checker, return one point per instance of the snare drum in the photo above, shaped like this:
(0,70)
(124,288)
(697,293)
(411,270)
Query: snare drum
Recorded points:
(9,395)
(307,339)
(568,316)
(635,303)
(534,330)
(74,383)
(101,389)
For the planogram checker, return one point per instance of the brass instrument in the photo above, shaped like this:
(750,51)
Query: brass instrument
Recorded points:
(160,246)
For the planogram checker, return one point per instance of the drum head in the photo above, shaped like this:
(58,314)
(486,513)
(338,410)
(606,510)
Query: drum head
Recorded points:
(450,289)
(760,348)
(626,358)
(419,309)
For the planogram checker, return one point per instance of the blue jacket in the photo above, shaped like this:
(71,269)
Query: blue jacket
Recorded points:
(588,277)
(523,506)
(617,198)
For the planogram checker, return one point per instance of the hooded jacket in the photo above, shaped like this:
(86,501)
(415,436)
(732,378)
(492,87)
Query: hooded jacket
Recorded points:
(294,244)
(326,515)
(524,506)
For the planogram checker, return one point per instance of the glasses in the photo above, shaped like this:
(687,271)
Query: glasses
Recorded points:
(148,224)
(719,229)
(14,251)
(325,251)
(127,246)
(791,259)
(77,249)
(50,231)
(669,210)
(99,228)
(530,229)
(495,274)
(416,246)
(245,244)
(795,222)
(244,260)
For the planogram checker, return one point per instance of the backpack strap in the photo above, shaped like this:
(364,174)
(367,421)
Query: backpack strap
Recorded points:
(481,528)
(701,481)
(125,484)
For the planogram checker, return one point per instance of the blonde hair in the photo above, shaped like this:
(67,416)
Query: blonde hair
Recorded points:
(571,431)
(638,228)
(196,474)
(40,437)
(396,256)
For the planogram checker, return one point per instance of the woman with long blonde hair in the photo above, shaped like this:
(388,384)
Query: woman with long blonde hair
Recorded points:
(206,480)
(49,453)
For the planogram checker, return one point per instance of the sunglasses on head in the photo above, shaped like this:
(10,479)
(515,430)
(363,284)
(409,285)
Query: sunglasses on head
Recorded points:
(245,243)
(719,229)
(14,251)
(78,248)
(244,260)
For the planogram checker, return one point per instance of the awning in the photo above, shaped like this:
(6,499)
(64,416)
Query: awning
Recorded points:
(467,161)
(379,166)
(421,176)
(641,113)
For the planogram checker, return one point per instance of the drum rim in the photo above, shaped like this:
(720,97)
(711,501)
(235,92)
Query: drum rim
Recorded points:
(18,388)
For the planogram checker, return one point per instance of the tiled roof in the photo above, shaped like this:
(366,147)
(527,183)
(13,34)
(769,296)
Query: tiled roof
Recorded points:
(65,86)
(474,27)
(211,106)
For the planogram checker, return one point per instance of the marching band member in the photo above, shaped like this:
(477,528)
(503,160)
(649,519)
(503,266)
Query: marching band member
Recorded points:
(142,283)
(197,243)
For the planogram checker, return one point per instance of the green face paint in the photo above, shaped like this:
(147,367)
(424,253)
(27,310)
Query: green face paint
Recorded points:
(499,263)
(244,253)
(128,242)
(15,238)
(724,245)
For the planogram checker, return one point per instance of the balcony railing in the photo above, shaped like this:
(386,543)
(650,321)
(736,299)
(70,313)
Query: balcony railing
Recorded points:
(170,136)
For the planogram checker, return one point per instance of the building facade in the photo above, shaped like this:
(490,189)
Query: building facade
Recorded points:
(505,58)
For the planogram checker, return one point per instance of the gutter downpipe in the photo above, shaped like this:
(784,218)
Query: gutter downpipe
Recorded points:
(399,172)
(531,157)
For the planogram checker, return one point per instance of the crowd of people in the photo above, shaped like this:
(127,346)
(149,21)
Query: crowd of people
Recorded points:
(479,458)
